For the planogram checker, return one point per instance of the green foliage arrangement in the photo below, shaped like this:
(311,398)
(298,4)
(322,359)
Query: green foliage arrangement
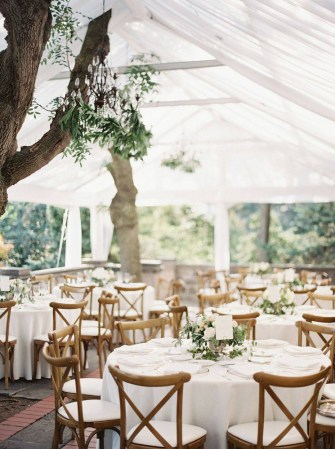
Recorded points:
(181,161)
(202,334)
(281,307)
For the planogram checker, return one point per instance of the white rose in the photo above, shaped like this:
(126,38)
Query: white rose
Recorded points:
(235,323)
(209,333)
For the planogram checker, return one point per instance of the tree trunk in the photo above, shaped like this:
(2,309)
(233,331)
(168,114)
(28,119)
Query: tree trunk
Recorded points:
(124,216)
(264,233)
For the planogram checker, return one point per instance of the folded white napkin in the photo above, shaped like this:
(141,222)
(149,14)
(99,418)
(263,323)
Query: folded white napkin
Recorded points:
(298,364)
(245,371)
(271,343)
(144,360)
(141,348)
(164,342)
(302,350)
(192,368)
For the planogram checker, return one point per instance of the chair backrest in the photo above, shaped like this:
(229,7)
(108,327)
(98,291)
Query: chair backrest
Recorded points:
(250,295)
(176,287)
(62,317)
(212,300)
(319,300)
(74,277)
(42,279)
(303,291)
(176,381)
(232,281)
(310,318)
(62,366)
(132,297)
(153,326)
(267,382)
(5,313)
(249,320)
(178,313)
(208,279)
(318,336)
(108,305)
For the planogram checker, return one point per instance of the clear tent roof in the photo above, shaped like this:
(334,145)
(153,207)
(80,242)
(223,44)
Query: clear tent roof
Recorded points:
(258,113)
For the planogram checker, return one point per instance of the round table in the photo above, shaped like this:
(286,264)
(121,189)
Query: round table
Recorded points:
(212,400)
(28,321)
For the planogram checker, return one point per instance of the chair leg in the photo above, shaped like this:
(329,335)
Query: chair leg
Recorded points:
(6,366)
(37,349)
(55,440)
(11,359)
(85,344)
(100,436)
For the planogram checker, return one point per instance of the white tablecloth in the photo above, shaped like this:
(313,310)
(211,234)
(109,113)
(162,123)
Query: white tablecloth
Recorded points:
(27,322)
(211,401)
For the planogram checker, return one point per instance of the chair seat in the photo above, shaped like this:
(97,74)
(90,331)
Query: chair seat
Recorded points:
(248,432)
(11,339)
(94,331)
(94,313)
(43,337)
(329,391)
(90,323)
(168,430)
(94,410)
(89,387)
(324,420)
(160,308)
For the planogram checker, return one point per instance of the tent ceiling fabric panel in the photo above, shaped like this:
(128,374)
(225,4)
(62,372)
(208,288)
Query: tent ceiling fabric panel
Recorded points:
(261,124)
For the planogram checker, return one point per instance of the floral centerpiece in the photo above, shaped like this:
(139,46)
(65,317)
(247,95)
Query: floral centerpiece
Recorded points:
(101,276)
(22,291)
(282,306)
(260,268)
(202,332)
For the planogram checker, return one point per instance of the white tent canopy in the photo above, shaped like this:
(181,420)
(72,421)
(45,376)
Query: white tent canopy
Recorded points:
(251,95)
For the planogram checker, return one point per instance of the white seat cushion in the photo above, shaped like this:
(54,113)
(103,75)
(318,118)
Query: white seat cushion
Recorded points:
(94,331)
(89,323)
(248,432)
(329,391)
(43,337)
(168,431)
(93,410)
(89,387)
(160,309)
(10,338)
(324,420)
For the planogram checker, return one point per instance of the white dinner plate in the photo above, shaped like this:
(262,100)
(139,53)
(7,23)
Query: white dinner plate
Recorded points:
(271,343)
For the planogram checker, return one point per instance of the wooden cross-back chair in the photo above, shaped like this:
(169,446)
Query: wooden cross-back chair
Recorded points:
(250,295)
(311,318)
(177,313)
(152,434)
(212,300)
(66,341)
(318,336)
(39,280)
(80,293)
(153,326)
(59,321)
(132,298)
(208,279)
(101,335)
(7,342)
(80,414)
(68,278)
(285,433)
(319,300)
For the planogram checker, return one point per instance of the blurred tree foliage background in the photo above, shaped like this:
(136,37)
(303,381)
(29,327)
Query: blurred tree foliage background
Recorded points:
(299,233)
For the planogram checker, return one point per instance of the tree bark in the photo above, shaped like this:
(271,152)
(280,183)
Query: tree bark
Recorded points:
(28,23)
(264,233)
(124,216)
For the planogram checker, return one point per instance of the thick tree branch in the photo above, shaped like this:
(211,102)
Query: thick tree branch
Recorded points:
(28,24)
(32,158)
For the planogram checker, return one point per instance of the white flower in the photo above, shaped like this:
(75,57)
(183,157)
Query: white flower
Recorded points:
(235,323)
(211,318)
(209,333)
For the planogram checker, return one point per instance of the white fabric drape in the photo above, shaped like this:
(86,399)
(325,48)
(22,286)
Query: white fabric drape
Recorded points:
(73,238)
(101,233)
(221,237)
